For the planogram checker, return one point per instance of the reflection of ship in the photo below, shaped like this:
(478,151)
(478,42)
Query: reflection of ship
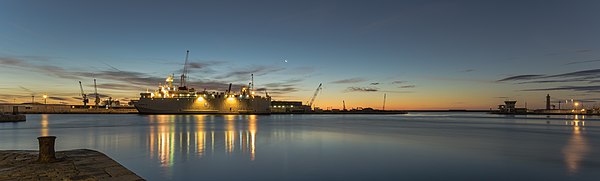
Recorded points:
(233,134)
(183,100)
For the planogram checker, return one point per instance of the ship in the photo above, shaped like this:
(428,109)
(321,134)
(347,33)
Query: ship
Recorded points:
(169,99)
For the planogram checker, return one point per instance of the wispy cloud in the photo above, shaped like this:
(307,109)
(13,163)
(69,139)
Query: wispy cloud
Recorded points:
(349,81)
(521,77)
(590,76)
(399,82)
(468,70)
(374,83)
(244,73)
(281,88)
(362,89)
(593,88)
(407,86)
(583,50)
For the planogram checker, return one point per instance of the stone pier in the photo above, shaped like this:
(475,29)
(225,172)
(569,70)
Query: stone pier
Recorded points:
(82,164)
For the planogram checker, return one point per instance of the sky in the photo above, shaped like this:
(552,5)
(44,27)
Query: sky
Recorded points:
(421,54)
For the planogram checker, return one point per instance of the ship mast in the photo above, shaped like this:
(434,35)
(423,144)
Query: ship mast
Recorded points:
(183,74)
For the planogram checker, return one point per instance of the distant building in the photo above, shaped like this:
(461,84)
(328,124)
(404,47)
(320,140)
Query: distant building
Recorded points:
(288,107)
(509,107)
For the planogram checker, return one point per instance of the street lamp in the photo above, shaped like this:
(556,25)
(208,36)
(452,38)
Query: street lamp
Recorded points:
(45,97)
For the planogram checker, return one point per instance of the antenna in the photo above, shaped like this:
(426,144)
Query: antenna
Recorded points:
(252,81)
(384,96)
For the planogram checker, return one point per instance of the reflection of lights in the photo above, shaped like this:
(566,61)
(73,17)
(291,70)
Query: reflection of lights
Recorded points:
(167,140)
(252,130)
(576,149)
(44,130)
(229,134)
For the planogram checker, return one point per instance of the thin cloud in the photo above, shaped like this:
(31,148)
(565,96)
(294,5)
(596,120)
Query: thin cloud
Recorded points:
(349,81)
(593,88)
(399,82)
(407,86)
(374,83)
(468,70)
(521,77)
(58,98)
(362,89)
(244,73)
(580,62)
(583,73)
(592,76)
(583,50)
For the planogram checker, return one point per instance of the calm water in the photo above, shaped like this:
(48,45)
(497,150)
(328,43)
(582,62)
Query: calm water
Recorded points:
(428,146)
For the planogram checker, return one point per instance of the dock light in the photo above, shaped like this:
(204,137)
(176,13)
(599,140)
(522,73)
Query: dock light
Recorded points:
(576,103)
(200,99)
(45,97)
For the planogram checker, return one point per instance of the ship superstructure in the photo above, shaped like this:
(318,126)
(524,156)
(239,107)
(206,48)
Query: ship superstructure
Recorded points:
(168,99)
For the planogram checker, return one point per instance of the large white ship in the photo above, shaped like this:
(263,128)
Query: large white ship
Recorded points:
(168,99)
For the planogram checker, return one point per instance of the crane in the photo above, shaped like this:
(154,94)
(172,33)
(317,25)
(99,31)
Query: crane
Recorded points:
(85,99)
(185,70)
(312,99)
(97,101)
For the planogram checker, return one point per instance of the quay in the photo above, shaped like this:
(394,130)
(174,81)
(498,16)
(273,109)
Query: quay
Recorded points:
(46,164)
(81,164)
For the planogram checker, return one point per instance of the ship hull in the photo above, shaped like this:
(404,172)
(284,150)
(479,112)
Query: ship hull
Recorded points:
(233,105)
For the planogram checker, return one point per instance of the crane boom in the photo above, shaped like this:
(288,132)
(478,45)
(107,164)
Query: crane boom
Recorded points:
(312,99)
(85,99)
(185,69)
(97,101)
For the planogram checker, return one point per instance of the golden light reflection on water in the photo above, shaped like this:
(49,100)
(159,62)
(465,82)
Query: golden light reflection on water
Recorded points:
(44,123)
(185,135)
(577,147)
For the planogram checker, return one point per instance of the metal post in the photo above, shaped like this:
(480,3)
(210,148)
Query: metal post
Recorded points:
(47,153)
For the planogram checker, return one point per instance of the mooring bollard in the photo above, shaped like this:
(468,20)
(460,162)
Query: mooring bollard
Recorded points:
(47,153)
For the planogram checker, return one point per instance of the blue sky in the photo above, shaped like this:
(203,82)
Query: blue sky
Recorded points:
(422,54)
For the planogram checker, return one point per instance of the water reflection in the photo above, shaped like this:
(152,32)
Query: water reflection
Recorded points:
(44,123)
(577,147)
(197,136)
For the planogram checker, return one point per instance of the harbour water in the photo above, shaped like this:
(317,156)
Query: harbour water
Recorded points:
(414,146)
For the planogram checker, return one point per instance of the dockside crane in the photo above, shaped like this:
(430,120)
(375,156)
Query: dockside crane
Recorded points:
(83,95)
(97,101)
(312,99)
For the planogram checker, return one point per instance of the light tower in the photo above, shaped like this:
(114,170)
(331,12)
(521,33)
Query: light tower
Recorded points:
(548,101)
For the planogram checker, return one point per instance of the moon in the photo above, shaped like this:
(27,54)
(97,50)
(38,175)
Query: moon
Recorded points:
(285,60)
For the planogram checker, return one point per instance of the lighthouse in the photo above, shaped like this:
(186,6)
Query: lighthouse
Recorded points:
(548,102)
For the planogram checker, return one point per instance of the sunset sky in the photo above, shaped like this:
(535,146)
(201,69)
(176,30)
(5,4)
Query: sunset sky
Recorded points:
(422,54)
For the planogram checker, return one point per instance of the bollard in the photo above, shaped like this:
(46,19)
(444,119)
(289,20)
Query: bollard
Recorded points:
(47,153)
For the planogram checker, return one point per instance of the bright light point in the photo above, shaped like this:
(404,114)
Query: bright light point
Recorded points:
(200,99)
